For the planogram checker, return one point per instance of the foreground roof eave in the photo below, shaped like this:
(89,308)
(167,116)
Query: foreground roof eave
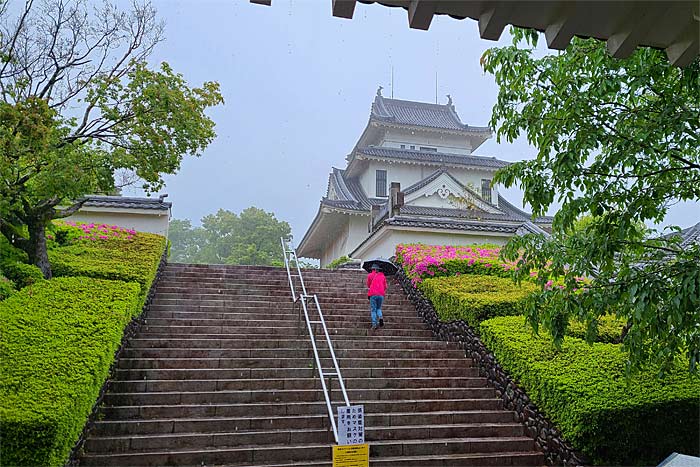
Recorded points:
(661,24)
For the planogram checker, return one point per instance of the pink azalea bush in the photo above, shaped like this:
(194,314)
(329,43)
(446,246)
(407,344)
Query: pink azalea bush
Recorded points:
(424,261)
(98,232)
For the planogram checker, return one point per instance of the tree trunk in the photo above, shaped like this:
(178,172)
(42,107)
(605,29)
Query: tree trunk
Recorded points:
(37,252)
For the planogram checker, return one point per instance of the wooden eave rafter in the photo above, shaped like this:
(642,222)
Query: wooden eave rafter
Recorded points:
(672,25)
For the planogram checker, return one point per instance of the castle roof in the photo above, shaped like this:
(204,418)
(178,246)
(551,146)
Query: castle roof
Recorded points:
(421,114)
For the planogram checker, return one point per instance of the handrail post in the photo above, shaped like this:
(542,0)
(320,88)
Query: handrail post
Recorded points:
(302,298)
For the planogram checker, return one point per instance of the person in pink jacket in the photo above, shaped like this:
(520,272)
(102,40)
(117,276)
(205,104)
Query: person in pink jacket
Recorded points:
(376,289)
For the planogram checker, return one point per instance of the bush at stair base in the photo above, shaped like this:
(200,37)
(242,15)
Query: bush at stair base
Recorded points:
(583,390)
(58,342)
(475,298)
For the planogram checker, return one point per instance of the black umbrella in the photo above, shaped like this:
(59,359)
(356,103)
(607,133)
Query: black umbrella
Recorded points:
(386,266)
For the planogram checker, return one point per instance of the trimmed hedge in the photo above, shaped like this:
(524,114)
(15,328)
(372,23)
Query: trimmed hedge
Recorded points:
(337,262)
(583,390)
(609,329)
(7,287)
(127,259)
(21,274)
(475,298)
(58,343)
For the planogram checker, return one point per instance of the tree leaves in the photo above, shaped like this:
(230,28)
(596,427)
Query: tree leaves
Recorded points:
(616,140)
(253,237)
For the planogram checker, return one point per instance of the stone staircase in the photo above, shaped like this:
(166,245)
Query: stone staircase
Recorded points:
(221,374)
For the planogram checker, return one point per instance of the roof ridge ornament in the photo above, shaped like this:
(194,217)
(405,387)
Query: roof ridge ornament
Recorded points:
(449,101)
(379,91)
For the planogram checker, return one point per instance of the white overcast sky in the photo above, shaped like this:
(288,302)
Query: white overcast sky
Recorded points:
(298,85)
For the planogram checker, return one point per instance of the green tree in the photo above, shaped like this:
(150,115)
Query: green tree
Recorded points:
(186,242)
(253,238)
(79,103)
(618,140)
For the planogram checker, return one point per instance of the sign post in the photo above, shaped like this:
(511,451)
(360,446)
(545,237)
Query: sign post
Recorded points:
(352,451)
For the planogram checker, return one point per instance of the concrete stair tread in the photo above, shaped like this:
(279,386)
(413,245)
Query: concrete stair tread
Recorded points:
(434,441)
(266,417)
(423,402)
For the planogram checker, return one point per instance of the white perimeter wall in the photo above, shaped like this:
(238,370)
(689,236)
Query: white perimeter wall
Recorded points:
(157,224)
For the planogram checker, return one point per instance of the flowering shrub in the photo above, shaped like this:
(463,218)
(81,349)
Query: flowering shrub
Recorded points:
(94,232)
(110,252)
(424,261)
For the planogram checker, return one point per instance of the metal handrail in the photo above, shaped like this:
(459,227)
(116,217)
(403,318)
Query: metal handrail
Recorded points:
(302,298)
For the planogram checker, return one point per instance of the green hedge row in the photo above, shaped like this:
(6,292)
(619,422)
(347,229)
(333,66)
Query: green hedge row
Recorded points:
(58,343)
(128,260)
(609,329)
(474,298)
(583,390)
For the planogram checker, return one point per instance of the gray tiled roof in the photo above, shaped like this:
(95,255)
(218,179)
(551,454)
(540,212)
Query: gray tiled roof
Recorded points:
(413,210)
(350,194)
(428,157)
(452,224)
(508,208)
(420,114)
(123,202)
(687,236)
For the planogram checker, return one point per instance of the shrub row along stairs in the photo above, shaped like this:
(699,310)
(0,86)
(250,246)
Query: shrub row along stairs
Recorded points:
(221,374)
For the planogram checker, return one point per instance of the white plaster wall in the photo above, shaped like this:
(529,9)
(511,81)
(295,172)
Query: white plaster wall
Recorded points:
(357,232)
(386,247)
(444,143)
(337,247)
(157,224)
(408,174)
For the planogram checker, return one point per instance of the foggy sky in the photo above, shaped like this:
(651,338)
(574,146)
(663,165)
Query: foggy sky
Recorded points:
(298,85)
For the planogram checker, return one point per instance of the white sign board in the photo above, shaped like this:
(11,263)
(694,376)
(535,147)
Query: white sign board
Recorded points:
(351,425)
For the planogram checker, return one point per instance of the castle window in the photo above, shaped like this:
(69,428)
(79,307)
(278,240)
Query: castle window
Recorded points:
(426,148)
(486,189)
(403,146)
(381,183)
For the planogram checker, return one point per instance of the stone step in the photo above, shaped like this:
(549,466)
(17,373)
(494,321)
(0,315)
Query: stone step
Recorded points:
(282,310)
(292,408)
(292,395)
(291,383)
(261,362)
(304,372)
(261,301)
(279,331)
(133,353)
(253,455)
(372,336)
(238,437)
(301,342)
(287,319)
(185,288)
(332,323)
(224,424)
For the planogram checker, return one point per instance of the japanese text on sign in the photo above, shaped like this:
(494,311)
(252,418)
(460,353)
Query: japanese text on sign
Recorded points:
(351,425)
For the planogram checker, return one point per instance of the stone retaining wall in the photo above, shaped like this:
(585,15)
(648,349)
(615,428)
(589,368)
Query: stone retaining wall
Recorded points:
(546,436)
